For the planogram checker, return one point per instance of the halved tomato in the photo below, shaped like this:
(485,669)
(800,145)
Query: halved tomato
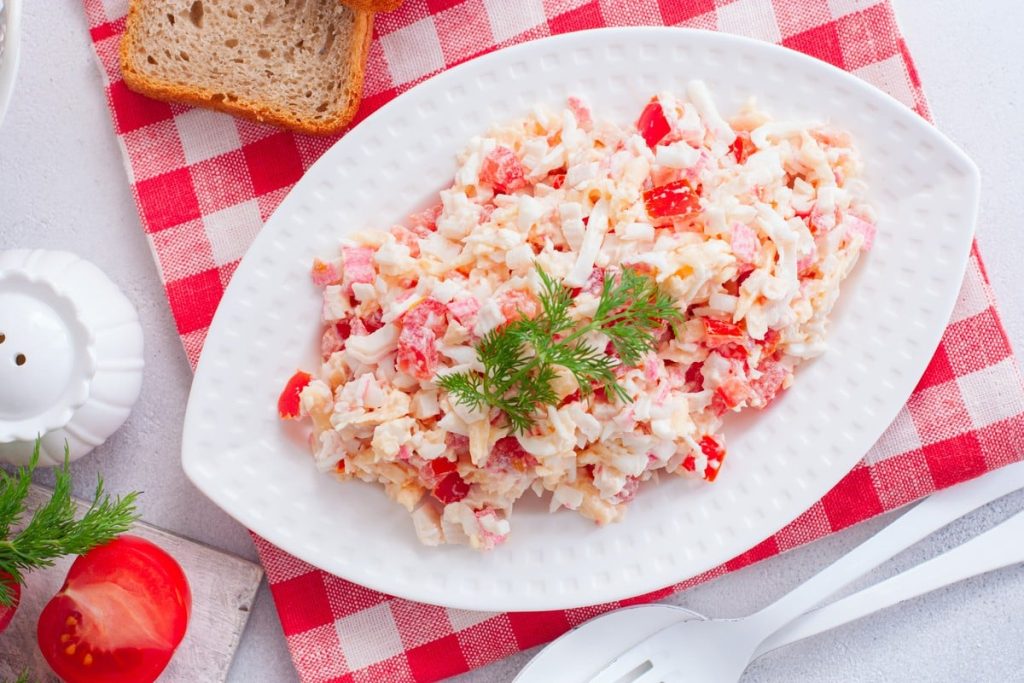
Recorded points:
(7,613)
(119,616)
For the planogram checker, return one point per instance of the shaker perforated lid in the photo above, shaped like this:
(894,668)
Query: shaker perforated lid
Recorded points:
(70,355)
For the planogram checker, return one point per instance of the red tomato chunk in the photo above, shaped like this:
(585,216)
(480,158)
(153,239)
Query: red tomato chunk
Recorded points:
(288,402)
(652,125)
(672,199)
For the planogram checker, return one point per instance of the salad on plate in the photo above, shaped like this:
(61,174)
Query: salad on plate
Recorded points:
(580,310)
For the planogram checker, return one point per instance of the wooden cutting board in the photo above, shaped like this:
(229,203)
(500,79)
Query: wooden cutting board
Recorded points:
(223,589)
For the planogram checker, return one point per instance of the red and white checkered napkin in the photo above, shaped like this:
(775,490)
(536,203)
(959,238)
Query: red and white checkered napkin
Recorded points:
(206,182)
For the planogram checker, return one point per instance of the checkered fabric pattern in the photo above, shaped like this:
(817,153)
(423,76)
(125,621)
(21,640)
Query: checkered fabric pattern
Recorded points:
(205,183)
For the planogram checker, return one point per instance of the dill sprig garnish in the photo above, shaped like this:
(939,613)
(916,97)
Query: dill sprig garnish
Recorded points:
(53,530)
(521,359)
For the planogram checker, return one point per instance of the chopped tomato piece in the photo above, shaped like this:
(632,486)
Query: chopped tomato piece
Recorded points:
(672,199)
(652,124)
(694,377)
(733,351)
(502,170)
(728,395)
(288,402)
(715,454)
(720,332)
(770,343)
(742,147)
(451,489)
(690,463)
(556,180)
(441,466)
(508,454)
(340,467)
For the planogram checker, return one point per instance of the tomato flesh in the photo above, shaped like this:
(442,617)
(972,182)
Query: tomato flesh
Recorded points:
(721,332)
(652,124)
(671,199)
(288,401)
(7,613)
(451,489)
(742,147)
(119,616)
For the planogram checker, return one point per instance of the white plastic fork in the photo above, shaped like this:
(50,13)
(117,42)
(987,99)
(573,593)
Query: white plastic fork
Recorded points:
(718,650)
(996,548)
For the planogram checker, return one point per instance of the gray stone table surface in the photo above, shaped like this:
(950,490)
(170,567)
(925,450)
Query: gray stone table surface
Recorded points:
(62,186)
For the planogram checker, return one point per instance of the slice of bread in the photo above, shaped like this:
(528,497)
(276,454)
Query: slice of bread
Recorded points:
(292,63)
(374,5)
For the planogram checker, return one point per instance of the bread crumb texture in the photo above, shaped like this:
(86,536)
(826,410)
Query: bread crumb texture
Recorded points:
(293,63)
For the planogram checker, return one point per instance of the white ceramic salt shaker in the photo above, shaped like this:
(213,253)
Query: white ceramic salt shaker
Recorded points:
(70,355)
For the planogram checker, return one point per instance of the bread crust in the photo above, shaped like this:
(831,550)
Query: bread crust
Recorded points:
(253,110)
(374,5)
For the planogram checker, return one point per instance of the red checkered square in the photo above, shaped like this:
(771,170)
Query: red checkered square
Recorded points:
(273,163)
(821,42)
(167,200)
(976,342)
(813,523)
(222,181)
(108,53)
(487,642)
(579,615)
(1001,441)
(372,104)
(534,628)
(154,150)
(583,17)
(797,16)
(636,13)
(939,412)
(645,598)
(762,550)
(438,6)
(867,37)
(677,11)
(853,499)
(437,659)
(348,598)
(554,8)
(302,603)
(133,110)
(955,460)
(182,251)
(194,300)
(463,31)
(939,370)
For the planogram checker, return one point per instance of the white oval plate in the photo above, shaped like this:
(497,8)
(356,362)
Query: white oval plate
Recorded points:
(888,322)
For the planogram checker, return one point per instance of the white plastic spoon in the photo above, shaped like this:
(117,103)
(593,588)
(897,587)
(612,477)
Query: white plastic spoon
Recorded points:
(570,658)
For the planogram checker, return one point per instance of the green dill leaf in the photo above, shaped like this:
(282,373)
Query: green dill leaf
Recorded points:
(523,359)
(53,531)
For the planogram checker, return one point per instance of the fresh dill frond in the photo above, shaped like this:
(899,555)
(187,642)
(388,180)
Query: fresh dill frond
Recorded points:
(521,359)
(52,531)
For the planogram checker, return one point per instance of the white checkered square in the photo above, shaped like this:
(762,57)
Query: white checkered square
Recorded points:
(509,19)
(232,230)
(900,437)
(369,636)
(973,298)
(753,18)
(890,75)
(992,394)
(840,8)
(413,52)
(115,8)
(463,618)
(206,134)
